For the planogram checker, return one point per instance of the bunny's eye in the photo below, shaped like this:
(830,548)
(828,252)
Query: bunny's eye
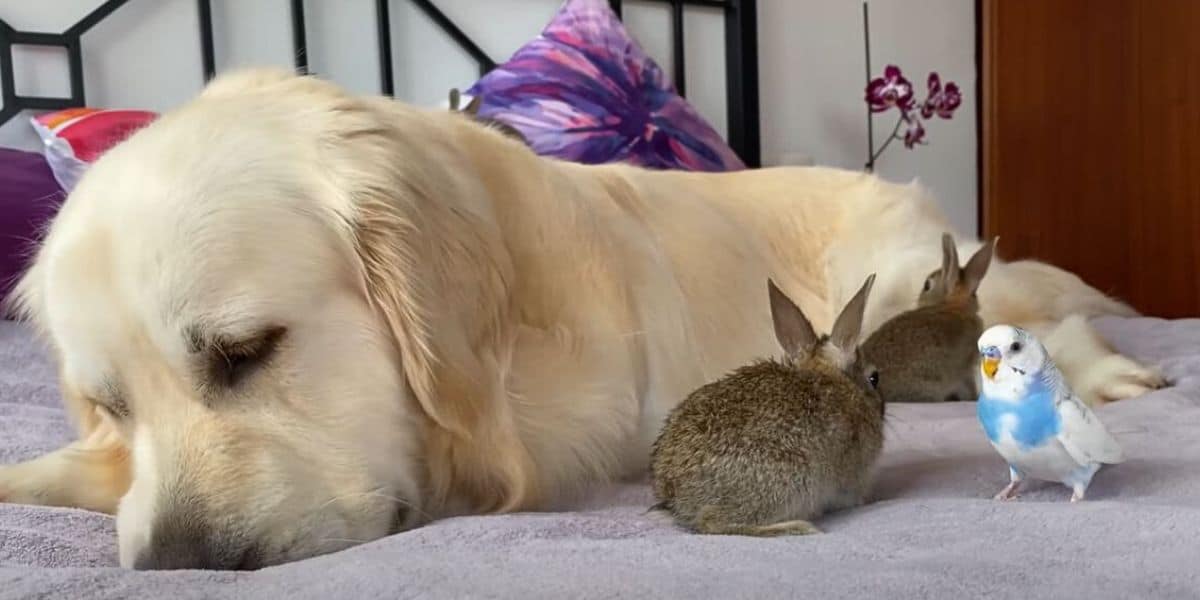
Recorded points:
(873,379)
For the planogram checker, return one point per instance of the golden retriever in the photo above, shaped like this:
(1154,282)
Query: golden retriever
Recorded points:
(289,319)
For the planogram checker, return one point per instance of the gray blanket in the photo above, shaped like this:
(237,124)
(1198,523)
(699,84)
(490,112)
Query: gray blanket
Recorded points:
(931,532)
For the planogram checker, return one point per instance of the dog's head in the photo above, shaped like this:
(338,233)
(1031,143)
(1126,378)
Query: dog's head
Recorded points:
(237,291)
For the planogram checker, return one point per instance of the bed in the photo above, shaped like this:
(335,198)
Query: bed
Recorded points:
(931,531)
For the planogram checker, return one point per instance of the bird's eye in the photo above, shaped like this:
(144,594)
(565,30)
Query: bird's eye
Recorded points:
(1015,347)
(873,379)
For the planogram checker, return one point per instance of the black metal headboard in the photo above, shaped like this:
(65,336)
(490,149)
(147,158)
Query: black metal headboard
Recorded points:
(741,57)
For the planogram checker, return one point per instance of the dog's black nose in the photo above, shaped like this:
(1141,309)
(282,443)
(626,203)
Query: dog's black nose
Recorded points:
(196,556)
(172,549)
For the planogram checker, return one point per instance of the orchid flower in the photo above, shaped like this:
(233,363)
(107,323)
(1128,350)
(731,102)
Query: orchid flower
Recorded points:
(894,91)
(941,102)
(890,90)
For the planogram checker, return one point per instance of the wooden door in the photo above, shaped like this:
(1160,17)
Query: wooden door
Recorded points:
(1091,142)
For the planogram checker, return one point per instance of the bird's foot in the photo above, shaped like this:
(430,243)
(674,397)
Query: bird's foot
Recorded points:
(1009,492)
(1077,496)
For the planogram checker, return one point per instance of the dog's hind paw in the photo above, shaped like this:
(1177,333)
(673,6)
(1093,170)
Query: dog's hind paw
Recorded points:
(1095,370)
(1117,377)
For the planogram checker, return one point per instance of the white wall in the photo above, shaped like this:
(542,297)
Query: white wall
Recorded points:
(146,55)
(813,79)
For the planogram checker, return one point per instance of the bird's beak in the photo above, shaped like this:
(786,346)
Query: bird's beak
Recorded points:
(989,367)
(990,362)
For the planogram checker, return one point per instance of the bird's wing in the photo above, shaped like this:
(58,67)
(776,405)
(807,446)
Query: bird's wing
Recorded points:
(1083,435)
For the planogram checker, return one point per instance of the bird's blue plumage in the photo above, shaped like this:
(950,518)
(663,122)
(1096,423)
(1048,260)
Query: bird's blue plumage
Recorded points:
(1036,418)
(1032,418)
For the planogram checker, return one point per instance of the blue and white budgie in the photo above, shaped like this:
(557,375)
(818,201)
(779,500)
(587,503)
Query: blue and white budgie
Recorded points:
(1032,417)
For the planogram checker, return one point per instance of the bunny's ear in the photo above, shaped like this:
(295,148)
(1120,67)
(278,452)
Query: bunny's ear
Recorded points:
(455,98)
(950,270)
(473,106)
(792,328)
(978,265)
(849,324)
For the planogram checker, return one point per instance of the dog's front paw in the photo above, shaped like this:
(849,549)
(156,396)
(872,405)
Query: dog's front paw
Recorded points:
(16,486)
(10,488)
(7,485)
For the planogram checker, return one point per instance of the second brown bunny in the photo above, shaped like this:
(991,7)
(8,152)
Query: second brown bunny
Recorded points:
(929,354)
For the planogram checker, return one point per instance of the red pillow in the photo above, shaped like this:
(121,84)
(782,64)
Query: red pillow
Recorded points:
(76,137)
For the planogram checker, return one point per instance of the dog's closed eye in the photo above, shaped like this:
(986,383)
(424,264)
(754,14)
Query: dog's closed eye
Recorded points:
(111,399)
(230,362)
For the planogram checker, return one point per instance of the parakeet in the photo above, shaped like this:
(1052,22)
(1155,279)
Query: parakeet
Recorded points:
(1032,417)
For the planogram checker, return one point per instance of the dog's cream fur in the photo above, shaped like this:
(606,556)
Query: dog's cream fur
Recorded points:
(469,327)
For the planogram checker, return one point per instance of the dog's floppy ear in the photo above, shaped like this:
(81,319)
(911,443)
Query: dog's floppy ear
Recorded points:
(436,270)
(401,285)
(395,226)
(395,289)
(448,332)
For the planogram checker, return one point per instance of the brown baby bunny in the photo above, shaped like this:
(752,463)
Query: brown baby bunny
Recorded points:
(472,110)
(774,444)
(929,354)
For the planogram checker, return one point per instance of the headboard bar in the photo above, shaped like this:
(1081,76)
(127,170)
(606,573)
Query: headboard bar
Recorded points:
(484,61)
(383,29)
(299,37)
(89,21)
(677,47)
(68,40)
(741,57)
(741,72)
(207,56)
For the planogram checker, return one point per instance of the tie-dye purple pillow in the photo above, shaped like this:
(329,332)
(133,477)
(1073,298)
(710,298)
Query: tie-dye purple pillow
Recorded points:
(585,91)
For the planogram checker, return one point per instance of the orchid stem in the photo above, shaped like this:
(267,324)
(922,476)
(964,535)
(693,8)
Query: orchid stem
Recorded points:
(870,117)
(875,155)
